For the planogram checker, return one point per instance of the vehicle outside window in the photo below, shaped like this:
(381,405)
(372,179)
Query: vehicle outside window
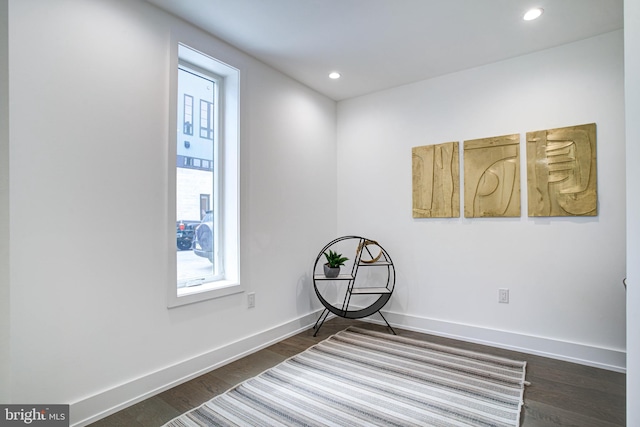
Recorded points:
(203,238)
(184,234)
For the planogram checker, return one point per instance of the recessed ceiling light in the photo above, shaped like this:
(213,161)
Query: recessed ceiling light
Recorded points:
(533,14)
(334,75)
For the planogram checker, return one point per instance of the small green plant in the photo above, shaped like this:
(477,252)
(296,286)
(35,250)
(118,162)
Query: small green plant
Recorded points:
(335,259)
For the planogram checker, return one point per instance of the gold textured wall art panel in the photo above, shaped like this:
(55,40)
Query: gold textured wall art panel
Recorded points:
(561,171)
(492,177)
(436,181)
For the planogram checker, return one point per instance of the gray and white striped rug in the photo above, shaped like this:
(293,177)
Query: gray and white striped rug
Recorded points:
(359,377)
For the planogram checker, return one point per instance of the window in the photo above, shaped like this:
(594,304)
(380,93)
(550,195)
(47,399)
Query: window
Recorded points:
(206,180)
(202,262)
(187,121)
(206,119)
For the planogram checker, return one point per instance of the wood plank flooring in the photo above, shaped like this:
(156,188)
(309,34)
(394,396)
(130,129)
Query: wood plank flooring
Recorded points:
(561,393)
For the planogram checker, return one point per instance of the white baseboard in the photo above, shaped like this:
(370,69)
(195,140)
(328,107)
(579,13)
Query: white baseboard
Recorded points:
(604,358)
(107,402)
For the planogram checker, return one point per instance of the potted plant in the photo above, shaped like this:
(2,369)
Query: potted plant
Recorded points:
(334,261)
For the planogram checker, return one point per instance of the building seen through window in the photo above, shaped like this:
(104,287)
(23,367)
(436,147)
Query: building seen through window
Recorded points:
(197,231)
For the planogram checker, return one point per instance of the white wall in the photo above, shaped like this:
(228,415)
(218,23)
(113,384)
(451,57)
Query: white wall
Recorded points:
(632,98)
(564,274)
(88,191)
(89,119)
(4,203)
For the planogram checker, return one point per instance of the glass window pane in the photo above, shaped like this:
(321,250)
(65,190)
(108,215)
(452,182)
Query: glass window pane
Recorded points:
(195,184)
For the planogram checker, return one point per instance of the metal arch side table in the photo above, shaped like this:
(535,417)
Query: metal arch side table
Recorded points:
(368,254)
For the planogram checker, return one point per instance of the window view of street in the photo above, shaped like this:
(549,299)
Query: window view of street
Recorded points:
(191,269)
(195,178)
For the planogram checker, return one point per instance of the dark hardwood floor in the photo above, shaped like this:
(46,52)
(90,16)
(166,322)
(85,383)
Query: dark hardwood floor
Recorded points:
(560,394)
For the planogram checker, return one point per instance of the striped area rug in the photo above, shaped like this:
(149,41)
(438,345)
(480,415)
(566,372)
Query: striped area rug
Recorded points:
(359,377)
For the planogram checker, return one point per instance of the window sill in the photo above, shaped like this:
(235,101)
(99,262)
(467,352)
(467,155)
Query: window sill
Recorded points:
(206,291)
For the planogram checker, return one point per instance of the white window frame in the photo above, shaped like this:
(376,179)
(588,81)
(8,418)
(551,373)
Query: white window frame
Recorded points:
(229,150)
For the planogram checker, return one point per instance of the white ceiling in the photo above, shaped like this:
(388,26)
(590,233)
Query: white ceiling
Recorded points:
(378,44)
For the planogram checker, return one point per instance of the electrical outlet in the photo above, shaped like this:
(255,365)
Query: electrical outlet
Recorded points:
(503,296)
(251,300)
